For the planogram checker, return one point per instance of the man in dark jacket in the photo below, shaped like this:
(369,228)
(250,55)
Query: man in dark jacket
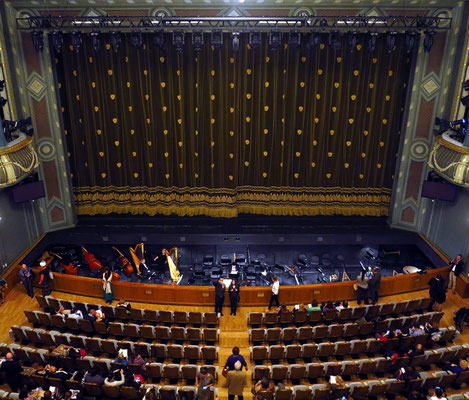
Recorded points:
(457,265)
(94,377)
(219,295)
(12,370)
(374,284)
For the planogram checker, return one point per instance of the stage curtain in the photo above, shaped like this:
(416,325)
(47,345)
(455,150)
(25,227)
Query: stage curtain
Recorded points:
(298,131)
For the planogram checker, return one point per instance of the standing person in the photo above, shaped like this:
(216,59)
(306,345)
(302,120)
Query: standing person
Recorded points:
(233,291)
(13,370)
(457,265)
(437,292)
(3,289)
(107,286)
(27,278)
(373,285)
(203,381)
(219,295)
(236,381)
(231,360)
(45,278)
(362,288)
(274,295)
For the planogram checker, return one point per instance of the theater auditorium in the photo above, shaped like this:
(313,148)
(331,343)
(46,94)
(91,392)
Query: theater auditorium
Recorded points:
(220,199)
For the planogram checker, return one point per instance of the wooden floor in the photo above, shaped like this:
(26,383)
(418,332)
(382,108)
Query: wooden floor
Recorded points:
(233,330)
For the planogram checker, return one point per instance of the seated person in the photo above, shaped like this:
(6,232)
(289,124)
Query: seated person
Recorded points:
(457,368)
(139,360)
(328,306)
(417,331)
(340,305)
(115,378)
(76,352)
(61,349)
(125,304)
(384,336)
(131,381)
(299,307)
(63,311)
(76,313)
(407,373)
(42,370)
(94,377)
(439,394)
(91,316)
(418,351)
(58,373)
(264,385)
(121,359)
(282,308)
(314,306)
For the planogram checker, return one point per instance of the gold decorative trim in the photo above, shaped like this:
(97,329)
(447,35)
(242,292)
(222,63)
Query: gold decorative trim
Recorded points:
(225,202)
(443,142)
(16,147)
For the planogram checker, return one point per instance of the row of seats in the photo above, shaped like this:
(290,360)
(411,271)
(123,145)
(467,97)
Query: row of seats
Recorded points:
(166,392)
(110,346)
(153,370)
(310,371)
(320,332)
(160,333)
(350,313)
(341,348)
(355,390)
(134,314)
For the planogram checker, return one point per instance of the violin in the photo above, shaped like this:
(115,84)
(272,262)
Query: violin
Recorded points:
(127,268)
(91,260)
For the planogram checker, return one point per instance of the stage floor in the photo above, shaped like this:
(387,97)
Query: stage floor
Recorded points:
(270,244)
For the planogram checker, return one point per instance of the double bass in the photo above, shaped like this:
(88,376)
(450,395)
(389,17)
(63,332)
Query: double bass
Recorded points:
(127,268)
(92,261)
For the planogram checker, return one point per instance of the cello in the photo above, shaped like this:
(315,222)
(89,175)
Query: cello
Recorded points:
(92,261)
(127,268)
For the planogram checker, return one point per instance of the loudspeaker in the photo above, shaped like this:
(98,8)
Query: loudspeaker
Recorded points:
(28,192)
(439,191)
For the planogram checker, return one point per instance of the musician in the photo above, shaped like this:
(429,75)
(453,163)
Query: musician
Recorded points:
(219,295)
(274,295)
(161,260)
(143,268)
(45,277)
(233,291)
(457,265)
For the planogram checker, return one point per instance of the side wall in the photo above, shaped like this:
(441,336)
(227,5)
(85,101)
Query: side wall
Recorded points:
(20,227)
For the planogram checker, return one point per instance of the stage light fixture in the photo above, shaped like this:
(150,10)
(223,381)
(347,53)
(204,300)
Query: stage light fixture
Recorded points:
(57,41)
(275,41)
(428,41)
(323,23)
(314,40)
(294,40)
(159,39)
(352,39)
(95,41)
(38,40)
(136,39)
(334,40)
(3,101)
(255,40)
(465,85)
(198,41)
(410,37)
(178,41)
(116,40)
(2,85)
(390,41)
(372,41)
(77,40)
(235,42)
(216,40)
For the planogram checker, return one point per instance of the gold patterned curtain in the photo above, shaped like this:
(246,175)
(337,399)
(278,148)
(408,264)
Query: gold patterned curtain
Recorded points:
(216,132)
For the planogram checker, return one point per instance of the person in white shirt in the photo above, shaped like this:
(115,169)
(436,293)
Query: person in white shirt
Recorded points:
(439,394)
(457,266)
(274,295)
